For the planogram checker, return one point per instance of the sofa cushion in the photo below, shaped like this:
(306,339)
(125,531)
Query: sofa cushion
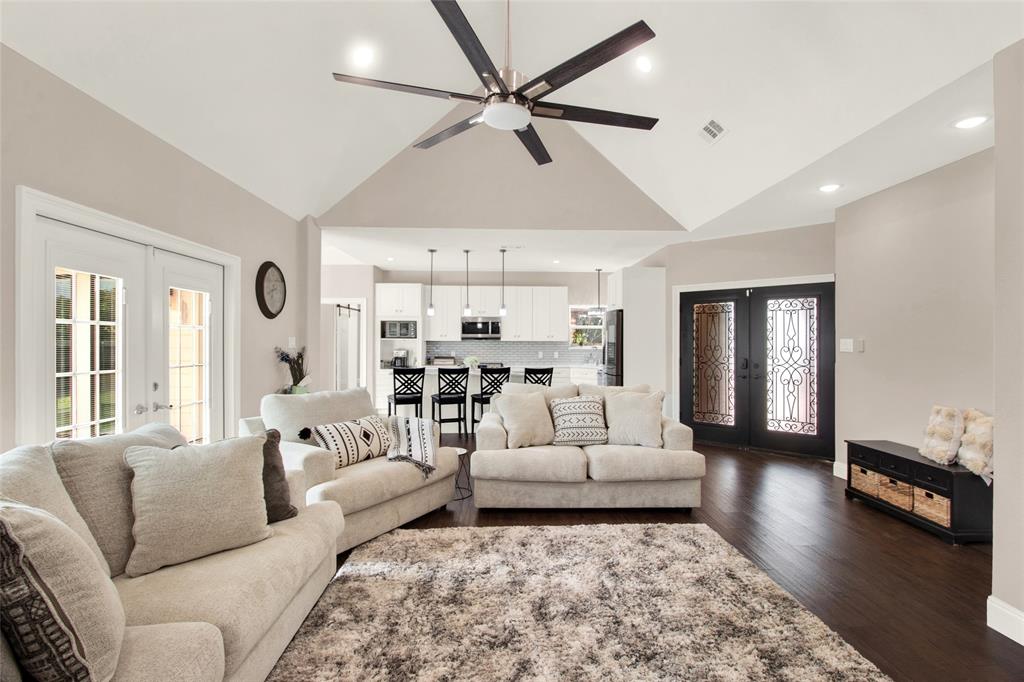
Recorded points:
(377,480)
(193,501)
(591,389)
(634,418)
(638,463)
(28,475)
(171,652)
(99,483)
(290,414)
(546,463)
(550,392)
(241,591)
(58,608)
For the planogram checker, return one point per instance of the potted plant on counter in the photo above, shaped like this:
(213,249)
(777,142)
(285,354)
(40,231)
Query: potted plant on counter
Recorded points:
(296,362)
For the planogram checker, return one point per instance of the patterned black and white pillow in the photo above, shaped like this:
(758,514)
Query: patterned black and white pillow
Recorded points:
(579,421)
(354,441)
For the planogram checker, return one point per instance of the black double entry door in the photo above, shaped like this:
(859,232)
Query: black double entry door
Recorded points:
(757,367)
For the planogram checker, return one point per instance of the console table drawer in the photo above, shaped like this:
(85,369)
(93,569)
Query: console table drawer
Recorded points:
(897,493)
(862,455)
(864,480)
(933,479)
(890,465)
(932,506)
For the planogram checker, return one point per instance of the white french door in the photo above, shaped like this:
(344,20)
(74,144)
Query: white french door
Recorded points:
(113,334)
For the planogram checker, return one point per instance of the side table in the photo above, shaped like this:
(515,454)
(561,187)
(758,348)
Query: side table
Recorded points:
(463,483)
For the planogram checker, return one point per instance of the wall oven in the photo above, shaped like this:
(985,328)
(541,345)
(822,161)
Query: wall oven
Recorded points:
(397,329)
(481,328)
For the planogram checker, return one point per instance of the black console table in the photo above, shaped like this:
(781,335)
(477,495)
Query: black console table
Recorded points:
(948,501)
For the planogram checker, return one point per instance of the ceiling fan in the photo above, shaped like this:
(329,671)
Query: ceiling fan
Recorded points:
(510,100)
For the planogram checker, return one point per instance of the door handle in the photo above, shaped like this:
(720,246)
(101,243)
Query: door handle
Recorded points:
(157,406)
(140,409)
(758,376)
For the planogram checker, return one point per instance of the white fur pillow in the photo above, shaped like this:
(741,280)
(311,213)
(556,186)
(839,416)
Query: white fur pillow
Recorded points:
(942,435)
(526,417)
(976,445)
(634,418)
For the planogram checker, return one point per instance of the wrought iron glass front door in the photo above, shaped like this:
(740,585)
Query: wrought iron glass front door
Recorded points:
(757,367)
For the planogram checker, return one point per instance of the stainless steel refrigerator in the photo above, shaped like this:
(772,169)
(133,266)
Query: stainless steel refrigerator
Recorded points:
(611,371)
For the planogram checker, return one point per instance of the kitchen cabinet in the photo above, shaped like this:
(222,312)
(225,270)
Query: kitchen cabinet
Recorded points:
(615,291)
(484,301)
(551,314)
(446,322)
(398,300)
(517,325)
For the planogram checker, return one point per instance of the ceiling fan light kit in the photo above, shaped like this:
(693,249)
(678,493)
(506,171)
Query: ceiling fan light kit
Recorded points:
(511,101)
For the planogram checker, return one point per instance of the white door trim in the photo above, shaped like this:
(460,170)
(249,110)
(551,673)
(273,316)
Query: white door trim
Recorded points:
(30,203)
(715,286)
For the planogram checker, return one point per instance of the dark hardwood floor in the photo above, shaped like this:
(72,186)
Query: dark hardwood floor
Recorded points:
(910,603)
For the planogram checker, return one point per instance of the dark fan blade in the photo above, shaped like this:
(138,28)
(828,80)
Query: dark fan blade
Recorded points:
(567,112)
(451,131)
(531,140)
(588,60)
(470,44)
(412,89)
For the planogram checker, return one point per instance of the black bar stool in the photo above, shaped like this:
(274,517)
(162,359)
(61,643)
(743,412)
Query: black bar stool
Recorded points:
(408,384)
(452,383)
(491,381)
(539,375)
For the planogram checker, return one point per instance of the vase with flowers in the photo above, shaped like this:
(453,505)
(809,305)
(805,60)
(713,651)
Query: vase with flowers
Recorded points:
(296,361)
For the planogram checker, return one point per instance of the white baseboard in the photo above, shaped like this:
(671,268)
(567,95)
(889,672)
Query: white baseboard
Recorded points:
(1006,619)
(839,470)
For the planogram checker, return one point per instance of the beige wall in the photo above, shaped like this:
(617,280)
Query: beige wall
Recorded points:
(61,141)
(1008,546)
(795,252)
(914,280)
(582,285)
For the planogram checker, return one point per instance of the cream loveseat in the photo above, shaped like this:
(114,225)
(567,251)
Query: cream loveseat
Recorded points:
(558,476)
(375,495)
(226,616)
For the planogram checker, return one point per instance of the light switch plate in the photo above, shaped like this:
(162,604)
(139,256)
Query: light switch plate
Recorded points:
(291,342)
(556,355)
(845,345)
(540,355)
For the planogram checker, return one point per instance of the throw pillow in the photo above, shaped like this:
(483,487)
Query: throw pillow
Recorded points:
(193,501)
(976,445)
(549,392)
(100,484)
(28,475)
(276,494)
(353,441)
(942,435)
(579,421)
(59,611)
(527,419)
(634,418)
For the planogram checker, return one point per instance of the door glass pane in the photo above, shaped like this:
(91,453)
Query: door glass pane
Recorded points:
(791,369)
(88,354)
(187,367)
(714,360)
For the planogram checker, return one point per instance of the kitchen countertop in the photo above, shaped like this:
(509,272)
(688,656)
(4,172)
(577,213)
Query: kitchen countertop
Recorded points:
(432,369)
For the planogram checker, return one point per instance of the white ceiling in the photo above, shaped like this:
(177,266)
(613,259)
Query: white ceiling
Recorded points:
(246,88)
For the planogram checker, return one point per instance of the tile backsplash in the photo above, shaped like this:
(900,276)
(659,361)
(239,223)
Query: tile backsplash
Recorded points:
(516,352)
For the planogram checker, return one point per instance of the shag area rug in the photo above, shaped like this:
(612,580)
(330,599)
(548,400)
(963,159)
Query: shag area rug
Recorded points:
(596,602)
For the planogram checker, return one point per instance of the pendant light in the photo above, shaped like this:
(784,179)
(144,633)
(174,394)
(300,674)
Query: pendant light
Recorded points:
(466,310)
(503,311)
(598,310)
(430,306)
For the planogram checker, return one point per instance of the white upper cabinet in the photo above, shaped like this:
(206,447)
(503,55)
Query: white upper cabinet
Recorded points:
(517,325)
(550,314)
(446,322)
(615,291)
(484,301)
(398,300)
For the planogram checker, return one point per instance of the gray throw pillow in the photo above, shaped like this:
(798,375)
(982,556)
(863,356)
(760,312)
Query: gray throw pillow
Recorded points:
(193,501)
(276,493)
(59,612)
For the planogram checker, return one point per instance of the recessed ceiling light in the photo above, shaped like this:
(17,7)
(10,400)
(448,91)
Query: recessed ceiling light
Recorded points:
(391,258)
(556,261)
(970,122)
(644,64)
(829,188)
(361,56)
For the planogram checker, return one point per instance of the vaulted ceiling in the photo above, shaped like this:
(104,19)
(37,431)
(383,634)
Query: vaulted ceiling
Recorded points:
(246,88)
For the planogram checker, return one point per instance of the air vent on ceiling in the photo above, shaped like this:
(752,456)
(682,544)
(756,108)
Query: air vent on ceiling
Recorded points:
(712,131)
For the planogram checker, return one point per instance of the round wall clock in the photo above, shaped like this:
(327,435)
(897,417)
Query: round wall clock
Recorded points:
(271,291)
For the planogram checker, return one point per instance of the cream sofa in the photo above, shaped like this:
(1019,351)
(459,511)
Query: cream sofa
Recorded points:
(227,616)
(550,476)
(375,495)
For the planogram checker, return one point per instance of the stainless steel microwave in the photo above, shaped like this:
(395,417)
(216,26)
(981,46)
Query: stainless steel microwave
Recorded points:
(481,328)
(397,329)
